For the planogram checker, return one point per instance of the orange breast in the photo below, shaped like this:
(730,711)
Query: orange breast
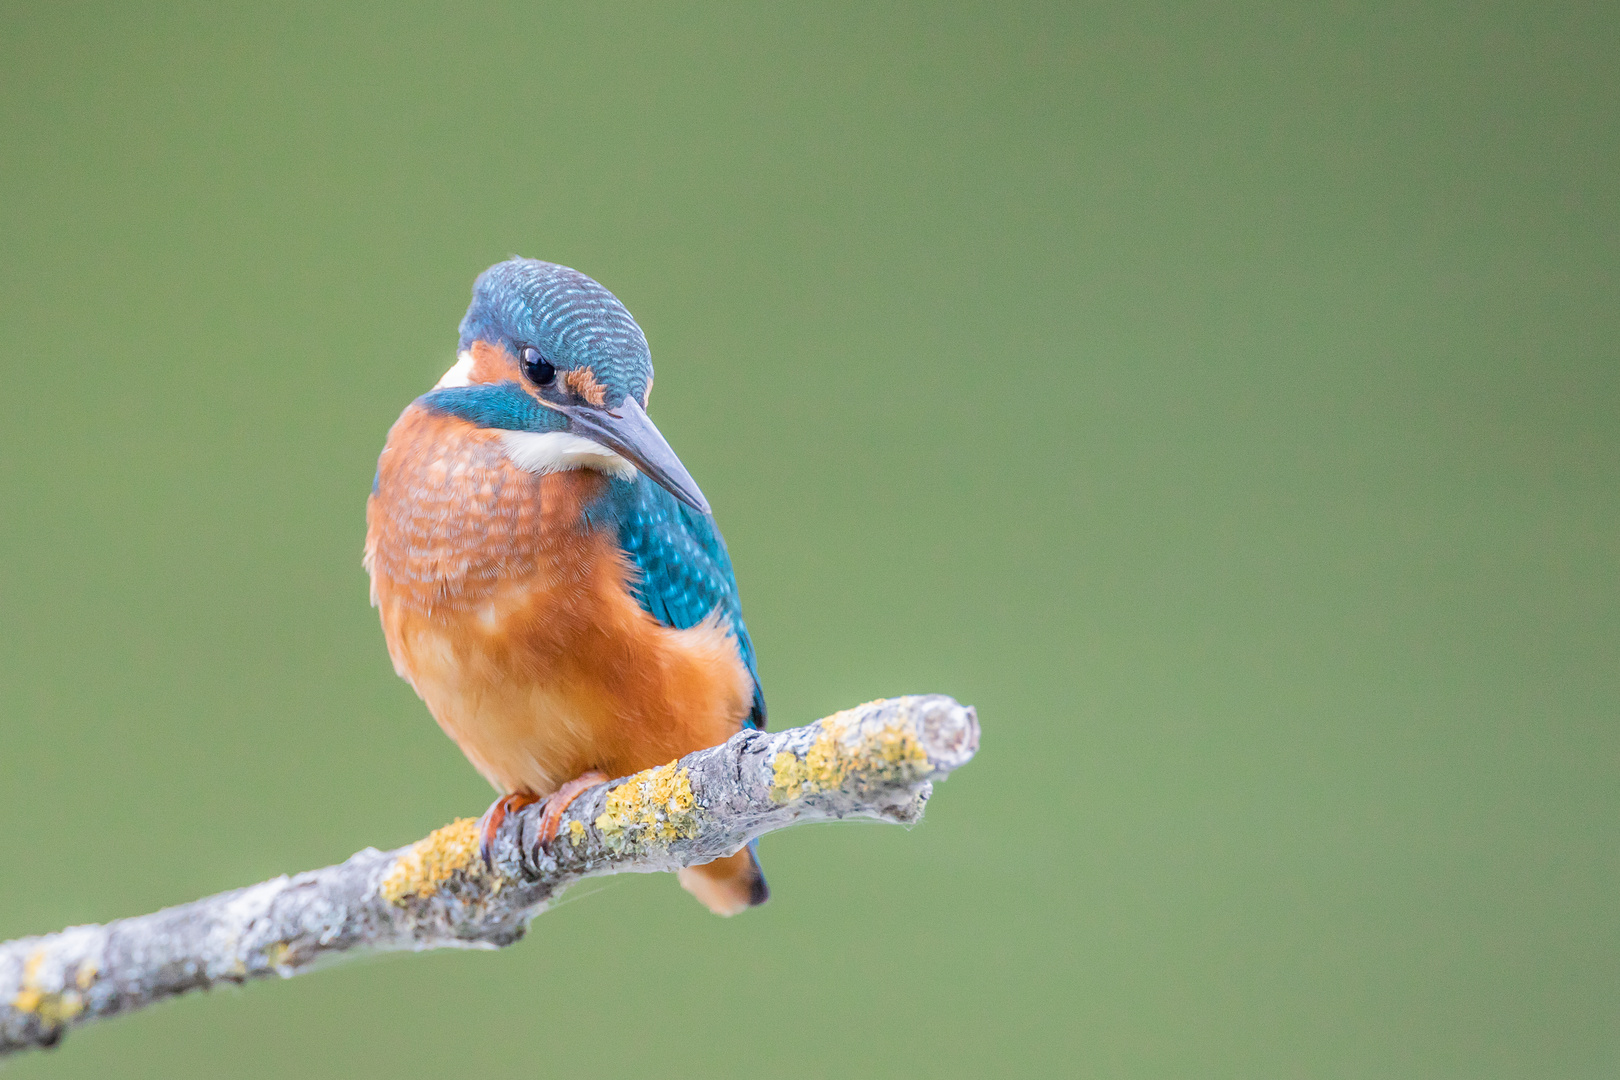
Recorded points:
(514,620)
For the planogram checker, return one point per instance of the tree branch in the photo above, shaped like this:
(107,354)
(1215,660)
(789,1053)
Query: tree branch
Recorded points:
(875,761)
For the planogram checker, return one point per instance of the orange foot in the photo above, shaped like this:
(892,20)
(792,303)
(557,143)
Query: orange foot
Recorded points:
(490,823)
(559,800)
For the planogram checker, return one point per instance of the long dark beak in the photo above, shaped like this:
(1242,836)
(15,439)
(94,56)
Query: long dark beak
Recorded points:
(630,431)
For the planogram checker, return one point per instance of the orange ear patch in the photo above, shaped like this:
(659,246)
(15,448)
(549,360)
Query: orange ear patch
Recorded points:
(491,364)
(583,382)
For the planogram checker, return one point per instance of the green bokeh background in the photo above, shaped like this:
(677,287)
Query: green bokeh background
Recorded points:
(1224,400)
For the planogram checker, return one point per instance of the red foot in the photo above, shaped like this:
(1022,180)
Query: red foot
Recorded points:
(559,800)
(490,823)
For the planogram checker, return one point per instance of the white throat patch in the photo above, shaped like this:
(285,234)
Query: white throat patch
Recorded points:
(557,451)
(460,373)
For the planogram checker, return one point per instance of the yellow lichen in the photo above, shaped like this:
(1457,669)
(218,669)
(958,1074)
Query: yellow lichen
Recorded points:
(58,1009)
(576,832)
(888,754)
(432,861)
(53,1009)
(818,770)
(276,954)
(655,806)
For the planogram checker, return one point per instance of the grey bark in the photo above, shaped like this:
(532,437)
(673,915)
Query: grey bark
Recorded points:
(874,761)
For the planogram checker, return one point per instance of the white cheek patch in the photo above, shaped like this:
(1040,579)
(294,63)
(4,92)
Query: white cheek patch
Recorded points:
(557,451)
(460,373)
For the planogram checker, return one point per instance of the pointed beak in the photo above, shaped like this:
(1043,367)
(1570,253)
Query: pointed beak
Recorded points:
(629,431)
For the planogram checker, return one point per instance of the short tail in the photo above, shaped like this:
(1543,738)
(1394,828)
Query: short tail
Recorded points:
(729,885)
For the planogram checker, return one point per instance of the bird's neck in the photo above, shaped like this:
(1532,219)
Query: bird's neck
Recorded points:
(560,451)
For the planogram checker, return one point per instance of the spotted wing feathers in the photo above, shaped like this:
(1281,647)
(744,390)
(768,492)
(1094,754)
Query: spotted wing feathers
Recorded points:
(684,573)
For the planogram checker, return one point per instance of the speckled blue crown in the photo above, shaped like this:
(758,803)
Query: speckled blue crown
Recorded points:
(571,319)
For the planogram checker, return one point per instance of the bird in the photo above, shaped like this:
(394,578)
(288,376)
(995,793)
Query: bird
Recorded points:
(550,578)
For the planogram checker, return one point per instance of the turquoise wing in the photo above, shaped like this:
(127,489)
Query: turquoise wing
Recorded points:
(685,572)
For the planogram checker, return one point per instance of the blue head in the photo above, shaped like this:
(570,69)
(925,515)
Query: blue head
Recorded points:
(574,323)
(547,352)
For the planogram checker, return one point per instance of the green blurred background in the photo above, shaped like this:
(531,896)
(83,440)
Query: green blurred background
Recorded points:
(1224,400)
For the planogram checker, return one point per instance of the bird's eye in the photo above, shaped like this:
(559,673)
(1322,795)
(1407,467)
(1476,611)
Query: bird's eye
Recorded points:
(535,367)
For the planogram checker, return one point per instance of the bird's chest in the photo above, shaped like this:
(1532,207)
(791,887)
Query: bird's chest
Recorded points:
(482,571)
(490,583)
(455,530)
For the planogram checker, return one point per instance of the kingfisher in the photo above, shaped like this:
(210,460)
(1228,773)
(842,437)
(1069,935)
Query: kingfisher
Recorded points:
(550,578)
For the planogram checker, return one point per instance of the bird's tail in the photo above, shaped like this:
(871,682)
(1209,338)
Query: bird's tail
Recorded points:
(729,885)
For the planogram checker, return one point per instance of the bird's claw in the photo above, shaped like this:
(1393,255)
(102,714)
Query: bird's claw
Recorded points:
(490,823)
(550,815)
(559,801)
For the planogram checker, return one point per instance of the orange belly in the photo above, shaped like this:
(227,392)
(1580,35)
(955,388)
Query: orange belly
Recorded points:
(516,625)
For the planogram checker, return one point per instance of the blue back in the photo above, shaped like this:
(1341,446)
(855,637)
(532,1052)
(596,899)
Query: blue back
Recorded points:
(685,571)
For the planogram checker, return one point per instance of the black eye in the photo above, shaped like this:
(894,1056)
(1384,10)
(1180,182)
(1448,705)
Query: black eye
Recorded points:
(535,367)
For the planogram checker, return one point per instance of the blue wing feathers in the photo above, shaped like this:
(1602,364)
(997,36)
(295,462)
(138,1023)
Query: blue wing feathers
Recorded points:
(685,572)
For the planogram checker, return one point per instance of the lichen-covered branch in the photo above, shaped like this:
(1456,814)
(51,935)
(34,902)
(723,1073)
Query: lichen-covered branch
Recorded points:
(875,761)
